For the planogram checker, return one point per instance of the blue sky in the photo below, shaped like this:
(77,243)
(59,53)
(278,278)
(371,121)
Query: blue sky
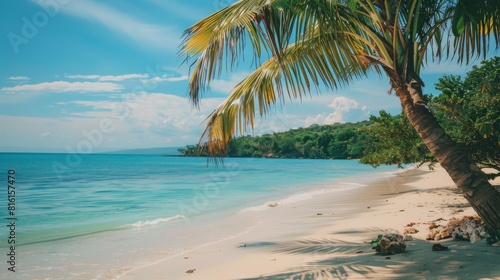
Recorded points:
(90,76)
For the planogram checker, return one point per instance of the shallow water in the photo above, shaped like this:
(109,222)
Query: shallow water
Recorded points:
(98,216)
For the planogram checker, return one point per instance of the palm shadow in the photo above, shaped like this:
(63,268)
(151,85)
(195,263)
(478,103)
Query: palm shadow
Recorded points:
(338,259)
(344,258)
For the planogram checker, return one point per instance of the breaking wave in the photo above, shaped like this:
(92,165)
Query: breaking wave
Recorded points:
(156,221)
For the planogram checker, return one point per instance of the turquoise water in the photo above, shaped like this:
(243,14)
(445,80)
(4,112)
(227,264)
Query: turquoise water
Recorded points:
(66,201)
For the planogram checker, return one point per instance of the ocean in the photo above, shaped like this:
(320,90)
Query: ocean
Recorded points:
(98,216)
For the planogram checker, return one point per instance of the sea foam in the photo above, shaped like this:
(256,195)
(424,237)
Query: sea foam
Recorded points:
(156,221)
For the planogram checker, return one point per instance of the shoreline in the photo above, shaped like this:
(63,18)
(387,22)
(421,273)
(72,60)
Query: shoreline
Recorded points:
(242,221)
(327,237)
(174,206)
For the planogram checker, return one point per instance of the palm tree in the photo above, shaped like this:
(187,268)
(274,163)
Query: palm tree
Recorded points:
(306,45)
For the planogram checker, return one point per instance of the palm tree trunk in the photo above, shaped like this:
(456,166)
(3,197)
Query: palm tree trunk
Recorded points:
(473,184)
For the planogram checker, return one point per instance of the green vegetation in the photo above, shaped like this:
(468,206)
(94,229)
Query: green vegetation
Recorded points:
(469,112)
(394,142)
(338,141)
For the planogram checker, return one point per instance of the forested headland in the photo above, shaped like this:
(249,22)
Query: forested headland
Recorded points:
(339,141)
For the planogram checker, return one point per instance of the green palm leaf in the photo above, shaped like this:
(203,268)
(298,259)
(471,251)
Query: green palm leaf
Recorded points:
(279,80)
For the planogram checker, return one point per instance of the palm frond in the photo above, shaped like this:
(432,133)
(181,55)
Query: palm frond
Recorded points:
(269,26)
(476,24)
(327,59)
(222,36)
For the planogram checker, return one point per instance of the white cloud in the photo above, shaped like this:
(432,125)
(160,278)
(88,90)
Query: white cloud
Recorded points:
(372,93)
(165,78)
(108,78)
(122,77)
(96,105)
(138,120)
(157,108)
(141,120)
(62,86)
(166,110)
(144,34)
(322,119)
(18,78)
(85,77)
(343,104)
(177,79)
(345,109)
(318,119)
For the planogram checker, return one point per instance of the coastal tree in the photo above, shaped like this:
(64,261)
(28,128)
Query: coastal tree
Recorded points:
(301,46)
(469,112)
(394,141)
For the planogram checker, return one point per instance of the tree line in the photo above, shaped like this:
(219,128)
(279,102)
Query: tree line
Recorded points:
(337,141)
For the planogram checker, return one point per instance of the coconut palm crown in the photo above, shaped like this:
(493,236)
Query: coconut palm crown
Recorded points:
(302,46)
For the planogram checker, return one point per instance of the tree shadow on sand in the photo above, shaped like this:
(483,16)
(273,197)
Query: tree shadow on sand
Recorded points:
(337,259)
(343,261)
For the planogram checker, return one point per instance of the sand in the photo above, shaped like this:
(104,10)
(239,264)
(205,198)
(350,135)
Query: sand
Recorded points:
(328,236)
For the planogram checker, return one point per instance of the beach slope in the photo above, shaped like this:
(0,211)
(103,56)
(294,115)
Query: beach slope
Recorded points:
(328,237)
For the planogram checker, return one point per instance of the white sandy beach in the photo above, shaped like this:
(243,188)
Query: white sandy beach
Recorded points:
(327,237)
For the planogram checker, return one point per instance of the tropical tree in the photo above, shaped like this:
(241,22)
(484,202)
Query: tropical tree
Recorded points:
(394,141)
(301,46)
(469,112)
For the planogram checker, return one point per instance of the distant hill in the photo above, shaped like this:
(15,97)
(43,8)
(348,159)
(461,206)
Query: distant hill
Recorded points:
(167,151)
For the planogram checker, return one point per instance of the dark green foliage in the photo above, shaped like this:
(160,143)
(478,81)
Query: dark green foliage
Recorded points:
(468,110)
(394,142)
(338,141)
